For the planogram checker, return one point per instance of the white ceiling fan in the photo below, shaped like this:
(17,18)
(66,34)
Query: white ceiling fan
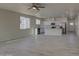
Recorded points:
(36,6)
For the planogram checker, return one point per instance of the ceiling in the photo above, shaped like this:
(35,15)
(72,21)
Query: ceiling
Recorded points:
(50,10)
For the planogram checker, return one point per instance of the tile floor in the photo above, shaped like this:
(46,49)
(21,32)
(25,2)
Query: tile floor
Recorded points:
(65,45)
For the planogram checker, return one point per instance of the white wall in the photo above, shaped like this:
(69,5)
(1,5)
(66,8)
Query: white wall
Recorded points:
(71,28)
(77,25)
(10,25)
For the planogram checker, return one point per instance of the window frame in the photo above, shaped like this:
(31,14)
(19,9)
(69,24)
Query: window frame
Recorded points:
(24,22)
(38,22)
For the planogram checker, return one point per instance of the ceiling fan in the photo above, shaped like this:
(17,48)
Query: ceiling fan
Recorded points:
(36,6)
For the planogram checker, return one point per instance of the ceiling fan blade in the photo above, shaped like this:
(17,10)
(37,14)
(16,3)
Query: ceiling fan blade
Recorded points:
(37,8)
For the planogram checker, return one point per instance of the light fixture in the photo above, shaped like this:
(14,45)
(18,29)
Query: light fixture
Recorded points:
(71,23)
(33,8)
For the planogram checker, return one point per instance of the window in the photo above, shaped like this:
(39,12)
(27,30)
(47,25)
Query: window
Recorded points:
(24,22)
(37,21)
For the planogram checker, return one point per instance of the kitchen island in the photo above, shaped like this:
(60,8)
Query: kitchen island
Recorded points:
(53,31)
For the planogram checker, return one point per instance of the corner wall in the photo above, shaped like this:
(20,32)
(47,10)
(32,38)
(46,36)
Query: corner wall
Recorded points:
(10,25)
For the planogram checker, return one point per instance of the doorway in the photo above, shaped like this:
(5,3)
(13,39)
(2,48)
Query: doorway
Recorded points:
(37,31)
(71,25)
